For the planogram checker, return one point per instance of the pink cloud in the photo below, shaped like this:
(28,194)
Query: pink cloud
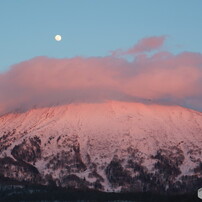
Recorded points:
(46,81)
(144,45)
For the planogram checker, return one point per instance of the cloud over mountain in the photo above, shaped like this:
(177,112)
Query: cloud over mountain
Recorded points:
(44,81)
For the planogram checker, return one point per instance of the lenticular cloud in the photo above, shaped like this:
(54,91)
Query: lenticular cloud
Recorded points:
(44,81)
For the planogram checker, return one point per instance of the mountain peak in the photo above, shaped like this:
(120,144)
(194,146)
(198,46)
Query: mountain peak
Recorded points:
(93,140)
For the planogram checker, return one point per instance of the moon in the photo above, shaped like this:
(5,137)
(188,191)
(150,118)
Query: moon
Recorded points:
(58,37)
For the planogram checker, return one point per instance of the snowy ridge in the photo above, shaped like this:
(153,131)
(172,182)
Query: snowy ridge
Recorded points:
(83,145)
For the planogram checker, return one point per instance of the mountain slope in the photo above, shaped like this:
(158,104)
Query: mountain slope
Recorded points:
(112,146)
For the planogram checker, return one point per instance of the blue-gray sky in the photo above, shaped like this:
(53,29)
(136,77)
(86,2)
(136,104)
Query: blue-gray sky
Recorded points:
(94,27)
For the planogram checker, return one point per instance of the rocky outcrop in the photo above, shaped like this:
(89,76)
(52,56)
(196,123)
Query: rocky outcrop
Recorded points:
(19,170)
(29,150)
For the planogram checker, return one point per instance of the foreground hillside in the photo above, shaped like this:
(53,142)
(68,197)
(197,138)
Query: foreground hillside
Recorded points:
(112,146)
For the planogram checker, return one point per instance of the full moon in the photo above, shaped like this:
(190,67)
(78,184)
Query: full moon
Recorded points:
(58,38)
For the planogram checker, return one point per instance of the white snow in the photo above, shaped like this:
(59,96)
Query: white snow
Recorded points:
(107,129)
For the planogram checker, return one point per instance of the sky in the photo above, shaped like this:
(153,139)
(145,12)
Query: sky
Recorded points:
(94,27)
(136,50)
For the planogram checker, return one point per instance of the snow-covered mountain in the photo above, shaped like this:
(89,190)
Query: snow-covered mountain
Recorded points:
(111,146)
